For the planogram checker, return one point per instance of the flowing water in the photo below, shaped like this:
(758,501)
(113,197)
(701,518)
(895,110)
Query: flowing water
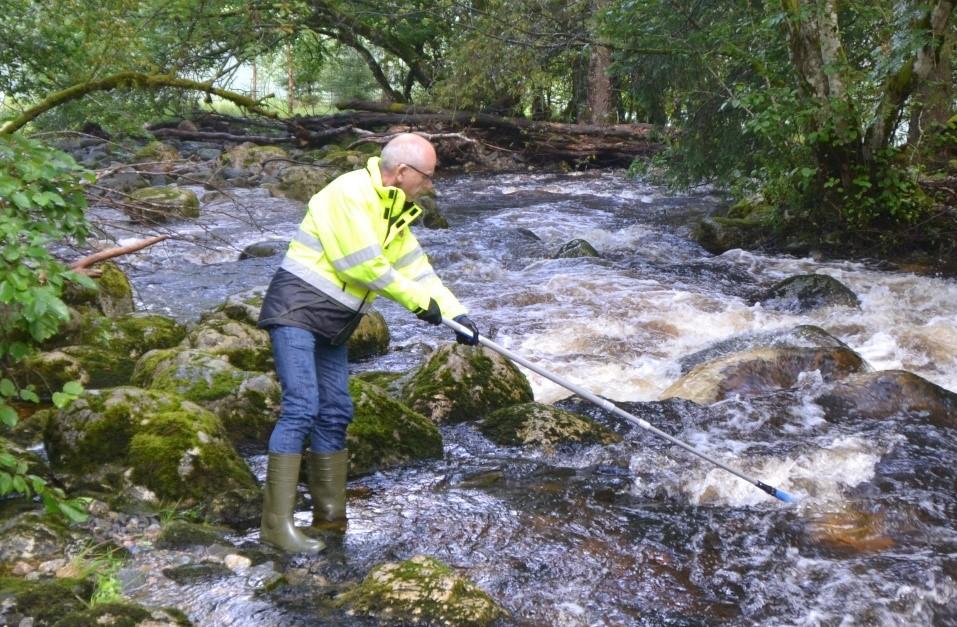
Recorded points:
(638,533)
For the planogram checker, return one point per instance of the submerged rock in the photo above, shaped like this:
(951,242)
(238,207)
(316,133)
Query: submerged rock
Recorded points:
(162,204)
(115,439)
(849,530)
(761,370)
(386,433)
(806,292)
(543,425)
(460,383)
(421,590)
(889,393)
(576,248)
(266,248)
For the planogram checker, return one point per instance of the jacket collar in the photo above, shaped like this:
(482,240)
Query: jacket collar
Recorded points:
(397,210)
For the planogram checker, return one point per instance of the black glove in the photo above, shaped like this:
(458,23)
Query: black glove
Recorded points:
(432,315)
(461,338)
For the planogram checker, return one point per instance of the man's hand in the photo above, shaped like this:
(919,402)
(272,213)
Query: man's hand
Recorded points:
(432,315)
(461,338)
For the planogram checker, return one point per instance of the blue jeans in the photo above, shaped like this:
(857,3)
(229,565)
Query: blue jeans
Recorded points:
(315,392)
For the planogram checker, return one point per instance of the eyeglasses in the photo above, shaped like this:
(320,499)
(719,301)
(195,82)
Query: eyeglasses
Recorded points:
(428,176)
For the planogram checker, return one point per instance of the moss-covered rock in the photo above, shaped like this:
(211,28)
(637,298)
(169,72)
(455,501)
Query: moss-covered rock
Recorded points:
(103,368)
(431,218)
(575,248)
(156,158)
(386,433)
(888,393)
(267,248)
(244,306)
(33,538)
(421,591)
(113,295)
(459,383)
(302,182)
(252,157)
(44,602)
(246,402)
(162,204)
(173,447)
(761,370)
(344,160)
(239,508)
(48,371)
(124,615)
(244,345)
(543,425)
(388,382)
(806,292)
(191,573)
(370,338)
(721,234)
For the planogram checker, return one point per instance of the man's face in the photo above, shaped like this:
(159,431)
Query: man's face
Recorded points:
(413,180)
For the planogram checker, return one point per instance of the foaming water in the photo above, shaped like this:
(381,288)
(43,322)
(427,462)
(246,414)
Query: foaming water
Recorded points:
(640,532)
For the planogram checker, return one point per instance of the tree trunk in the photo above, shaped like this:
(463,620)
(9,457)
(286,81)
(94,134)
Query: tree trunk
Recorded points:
(601,108)
(252,85)
(934,102)
(290,80)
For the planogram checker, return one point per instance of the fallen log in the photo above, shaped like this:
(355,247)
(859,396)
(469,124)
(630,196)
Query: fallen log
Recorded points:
(81,265)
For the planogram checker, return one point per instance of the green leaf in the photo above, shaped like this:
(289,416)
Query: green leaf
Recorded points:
(8,460)
(61,400)
(28,394)
(6,483)
(20,485)
(73,387)
(72,512)
(7,388)
(7,415)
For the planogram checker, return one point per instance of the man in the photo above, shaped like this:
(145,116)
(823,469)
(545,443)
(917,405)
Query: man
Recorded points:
(353,244)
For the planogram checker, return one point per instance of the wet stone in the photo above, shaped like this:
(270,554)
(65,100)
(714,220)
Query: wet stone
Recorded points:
(806,292)
(202,571)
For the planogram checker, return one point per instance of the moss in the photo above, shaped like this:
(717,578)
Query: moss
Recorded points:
(575,248)
(543,425)
(380,379)
(104,368)
(144,332)
(48,371)
(155,151)
(459,383)
(370,338)
(385,432)
(421,590)
(246,155)
(147,366)
(180,534)
(48,601)
(244,345)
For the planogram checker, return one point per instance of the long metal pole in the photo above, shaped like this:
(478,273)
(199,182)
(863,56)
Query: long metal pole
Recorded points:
(606,405)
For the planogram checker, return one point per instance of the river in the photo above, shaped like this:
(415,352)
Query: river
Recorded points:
(636,533)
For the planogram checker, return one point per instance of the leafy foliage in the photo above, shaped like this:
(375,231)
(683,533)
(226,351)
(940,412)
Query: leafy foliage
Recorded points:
(41,201)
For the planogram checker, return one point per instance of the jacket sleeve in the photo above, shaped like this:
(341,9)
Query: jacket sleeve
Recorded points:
(412,262)
(349,242)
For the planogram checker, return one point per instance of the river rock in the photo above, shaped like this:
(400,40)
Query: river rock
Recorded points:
(32,538)
(386,433)
(302,182)
(720,234)
(806,292)
(114,439)
(246,402)
(760,371)
(887,393)
(156,158)
(801,336)
(431,218)
(125,614)
(370,338)
(124,181)
(850,530)
(49,371)
(43,602)
(418,591)
(162,204)
(543,425)
(181,534)
(256,159)
(113,295)
(458,383)
(575,248)
(267,248)
(244,345)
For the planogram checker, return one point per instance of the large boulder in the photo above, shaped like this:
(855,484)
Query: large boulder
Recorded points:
(256,159)
(386,433)
(246,402)
(459,383)
(431,218)
(302,182)
(162,204)
(543,425)
(112,440)
(244,345)
(760,371)
(370,338)
(889,393)
(421,591)
(156,158)
(806,292)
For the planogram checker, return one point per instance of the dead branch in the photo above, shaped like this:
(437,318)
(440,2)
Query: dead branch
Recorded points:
(86,262)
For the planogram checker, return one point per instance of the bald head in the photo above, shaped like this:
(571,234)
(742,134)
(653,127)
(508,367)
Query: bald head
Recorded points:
(411,149)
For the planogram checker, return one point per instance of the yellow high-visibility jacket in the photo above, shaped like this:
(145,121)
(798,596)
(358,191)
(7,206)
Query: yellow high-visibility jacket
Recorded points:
(355,243)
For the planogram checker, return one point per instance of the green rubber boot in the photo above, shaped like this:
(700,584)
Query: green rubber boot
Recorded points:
(279,502)
(327,484)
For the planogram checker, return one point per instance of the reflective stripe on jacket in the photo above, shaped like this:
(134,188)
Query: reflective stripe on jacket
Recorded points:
(355,243)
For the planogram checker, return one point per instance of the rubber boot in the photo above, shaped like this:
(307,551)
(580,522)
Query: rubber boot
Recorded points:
(327,484)
(279,502)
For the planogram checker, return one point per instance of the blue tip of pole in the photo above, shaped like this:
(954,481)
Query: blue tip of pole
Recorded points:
(784,496)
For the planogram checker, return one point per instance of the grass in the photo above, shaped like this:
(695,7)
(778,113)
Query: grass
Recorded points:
(102,564)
